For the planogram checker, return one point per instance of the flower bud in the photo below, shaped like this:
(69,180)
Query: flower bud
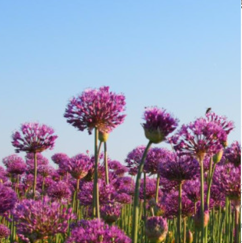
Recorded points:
(103,136)
(156,229)
(218,156)
(155,136)
(189,237)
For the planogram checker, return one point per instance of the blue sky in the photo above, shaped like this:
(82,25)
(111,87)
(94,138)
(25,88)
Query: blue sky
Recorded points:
(183,56)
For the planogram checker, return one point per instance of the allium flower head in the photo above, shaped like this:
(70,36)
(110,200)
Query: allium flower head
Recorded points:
(156,229)
(199,138)
(33,138)
(158,124)
(14,164)
(233,153)
(154,157)
(192,189)
(4,231)
(39,219)
(79,166)
(150,189)
(179,168)
(59,190)
(110,212)
(134,158)
(8,198)
(98,108)
(59,158)
(228,179)
(96,231)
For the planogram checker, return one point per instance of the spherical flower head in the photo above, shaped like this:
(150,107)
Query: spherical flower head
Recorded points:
(134,158)
(154,157)
(171,202)
(8,198)
(15,164)
(33,138)
(59,190)
(79,166)
(117,168)
(199,138)
(3,175)
(233,153)
(110,212)
(96,231)
(227,178)
(98,108)
(192,189)
(60,158)
(4,231)
(222,121)
(179,168)
(35,219)
(158,124)
(156,229)
(45,170)
(150,189)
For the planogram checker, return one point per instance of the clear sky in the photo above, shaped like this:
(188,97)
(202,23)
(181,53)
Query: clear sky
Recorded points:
(183,56)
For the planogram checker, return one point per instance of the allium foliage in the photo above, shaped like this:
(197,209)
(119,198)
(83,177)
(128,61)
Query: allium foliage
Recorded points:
(33,138)
(98,108)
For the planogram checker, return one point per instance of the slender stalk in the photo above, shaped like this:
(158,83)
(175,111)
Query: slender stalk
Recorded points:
(237,224)
(96,191)
(202,199)
(77,190)
(135,222)
(157,188)
(179,213)
(35,175)
(106,163)
(184,229)
(145,214)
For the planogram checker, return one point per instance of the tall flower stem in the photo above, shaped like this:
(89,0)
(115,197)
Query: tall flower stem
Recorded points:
(135,222)
(237,223)
(157,188)
(145,214)
(35,175)
(202,199)
(106,163)
(77,190)
(96,191)
(184,229)
(179,213)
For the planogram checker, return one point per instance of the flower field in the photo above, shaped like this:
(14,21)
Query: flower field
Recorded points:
(188,193)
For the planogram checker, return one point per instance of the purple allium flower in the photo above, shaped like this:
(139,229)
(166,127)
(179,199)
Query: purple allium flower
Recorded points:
(233,153)
(4,231)
(117,167)
(158,124)
(150,189)
(98,108)
(156,229)
(227,126)
(217,196)
(60,158)
(8,198)
(3,175)
(170,201)
(123,198)
(45,170)
(39,219)
(96,231)
(106,193)
(134,158)
(168,185)
(154,157)
(199,138)
(179,168)
(14,164)
(192,189)
(40,158)
(124,185)
(228,179)
(59,190)
(79,166)
(33,138)
(110,212)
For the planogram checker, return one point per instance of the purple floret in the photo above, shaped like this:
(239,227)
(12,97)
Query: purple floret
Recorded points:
(8,198)
(4,231)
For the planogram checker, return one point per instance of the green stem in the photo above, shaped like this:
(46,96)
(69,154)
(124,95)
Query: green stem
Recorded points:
(157,188)
(179,213)
(77,190)
(135,222)
(202,199)
(237,224)
(35,175)
(106,163)
(96,191)
(145,202)
(184,229)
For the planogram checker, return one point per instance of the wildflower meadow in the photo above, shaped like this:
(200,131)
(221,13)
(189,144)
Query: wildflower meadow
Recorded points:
(186,192)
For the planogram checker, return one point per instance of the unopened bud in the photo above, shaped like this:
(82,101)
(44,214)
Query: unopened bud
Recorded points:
(218,156)
(103,136)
